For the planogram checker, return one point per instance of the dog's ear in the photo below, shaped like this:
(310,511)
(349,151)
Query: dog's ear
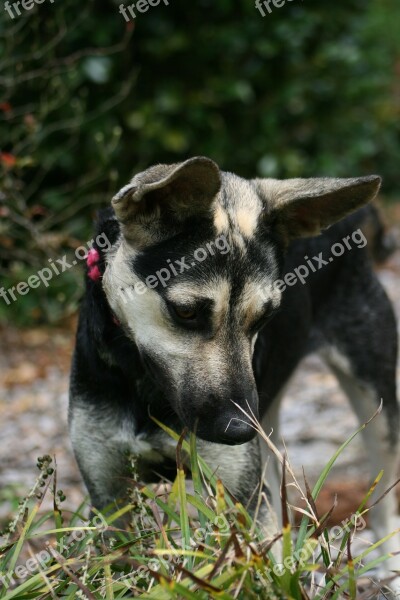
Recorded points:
(304,207)
(161,198)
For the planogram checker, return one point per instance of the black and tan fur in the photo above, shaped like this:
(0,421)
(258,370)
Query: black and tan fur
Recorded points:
(246,336)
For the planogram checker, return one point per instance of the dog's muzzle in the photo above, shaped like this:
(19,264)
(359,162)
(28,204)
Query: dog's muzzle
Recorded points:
(222,422)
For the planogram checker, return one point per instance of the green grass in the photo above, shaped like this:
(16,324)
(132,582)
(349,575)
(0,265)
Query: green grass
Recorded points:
(197,543)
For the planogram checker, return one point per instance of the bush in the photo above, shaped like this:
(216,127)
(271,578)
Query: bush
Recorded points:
(90,99)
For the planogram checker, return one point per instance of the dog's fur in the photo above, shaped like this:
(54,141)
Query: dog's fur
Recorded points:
(237,337)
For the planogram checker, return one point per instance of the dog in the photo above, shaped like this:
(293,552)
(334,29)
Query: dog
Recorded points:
(213,289)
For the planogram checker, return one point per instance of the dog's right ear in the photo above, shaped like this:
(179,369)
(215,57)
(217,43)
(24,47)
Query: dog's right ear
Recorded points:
(305,207)
(158,201)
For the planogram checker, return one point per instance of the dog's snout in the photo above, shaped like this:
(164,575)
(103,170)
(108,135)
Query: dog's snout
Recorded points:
(224,420)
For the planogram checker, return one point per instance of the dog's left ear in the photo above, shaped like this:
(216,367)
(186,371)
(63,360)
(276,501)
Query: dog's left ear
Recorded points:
(304,207)
(159,200)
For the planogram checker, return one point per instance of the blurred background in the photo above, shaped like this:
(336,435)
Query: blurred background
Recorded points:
(87,99)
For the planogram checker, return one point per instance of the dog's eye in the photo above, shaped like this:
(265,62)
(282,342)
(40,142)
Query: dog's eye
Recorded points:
(185,313)
(195,317)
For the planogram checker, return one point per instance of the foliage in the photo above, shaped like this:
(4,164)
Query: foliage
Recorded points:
(180,544)
(88,99)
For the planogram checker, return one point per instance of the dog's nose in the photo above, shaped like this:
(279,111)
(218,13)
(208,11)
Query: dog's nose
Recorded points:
(236,431)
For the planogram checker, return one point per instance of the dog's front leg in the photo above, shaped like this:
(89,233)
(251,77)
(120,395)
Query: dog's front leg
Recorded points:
(100,448)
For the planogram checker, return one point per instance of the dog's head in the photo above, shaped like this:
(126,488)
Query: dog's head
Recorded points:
(191,278)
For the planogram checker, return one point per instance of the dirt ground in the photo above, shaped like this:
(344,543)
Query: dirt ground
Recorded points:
(34,365)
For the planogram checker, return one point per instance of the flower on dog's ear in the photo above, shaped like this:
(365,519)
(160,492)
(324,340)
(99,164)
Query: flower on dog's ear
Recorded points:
(92,261)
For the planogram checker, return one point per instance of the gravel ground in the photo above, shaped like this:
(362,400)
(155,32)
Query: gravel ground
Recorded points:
(33,411)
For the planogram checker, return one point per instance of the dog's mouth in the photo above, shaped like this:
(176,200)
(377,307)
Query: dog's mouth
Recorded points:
(223,429)
(238,432)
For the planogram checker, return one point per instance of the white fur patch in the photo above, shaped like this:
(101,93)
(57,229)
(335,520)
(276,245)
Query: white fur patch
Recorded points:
(242,209)
(247,220)
(221,221)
